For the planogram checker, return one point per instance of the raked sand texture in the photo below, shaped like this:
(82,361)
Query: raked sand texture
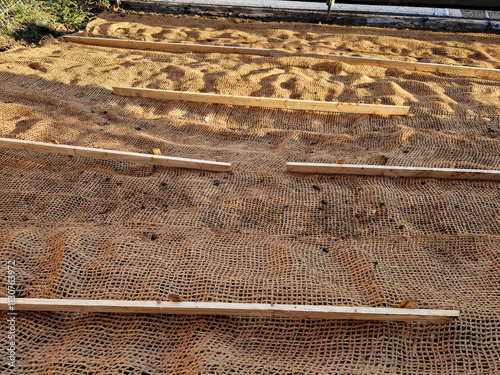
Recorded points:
(99,229)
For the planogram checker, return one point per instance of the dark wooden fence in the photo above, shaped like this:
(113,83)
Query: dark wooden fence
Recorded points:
(463,4)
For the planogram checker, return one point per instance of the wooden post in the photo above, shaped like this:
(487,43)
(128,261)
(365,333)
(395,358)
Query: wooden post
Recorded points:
(168,47)
(244,309)
(308,105)
(132,157)
(382,170)
(468,71)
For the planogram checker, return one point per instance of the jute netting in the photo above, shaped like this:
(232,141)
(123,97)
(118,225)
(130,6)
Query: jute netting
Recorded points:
(94,229)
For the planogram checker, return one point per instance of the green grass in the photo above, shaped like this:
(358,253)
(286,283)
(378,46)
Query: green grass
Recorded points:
(31,20)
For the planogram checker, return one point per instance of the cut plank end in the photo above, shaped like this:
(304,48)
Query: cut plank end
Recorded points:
(232,309)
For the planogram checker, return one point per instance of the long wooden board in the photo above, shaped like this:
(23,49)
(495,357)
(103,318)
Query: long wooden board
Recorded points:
(245,309)
(308,105)
(468,71)
(133,157)
(162,46)
(382,170)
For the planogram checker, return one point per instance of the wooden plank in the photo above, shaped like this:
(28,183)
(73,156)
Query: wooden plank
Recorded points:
(382,170)
(308,105)
(410,303)
(402,304)
(132,157)
(469,71)
(170,47)
(244,309)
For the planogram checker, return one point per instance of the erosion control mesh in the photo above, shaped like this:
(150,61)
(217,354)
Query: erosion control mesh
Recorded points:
(94,229)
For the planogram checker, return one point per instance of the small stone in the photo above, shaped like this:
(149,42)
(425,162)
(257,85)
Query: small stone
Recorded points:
(316,187)
(216,183)
(324,202)
(325,250)
(153,237)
